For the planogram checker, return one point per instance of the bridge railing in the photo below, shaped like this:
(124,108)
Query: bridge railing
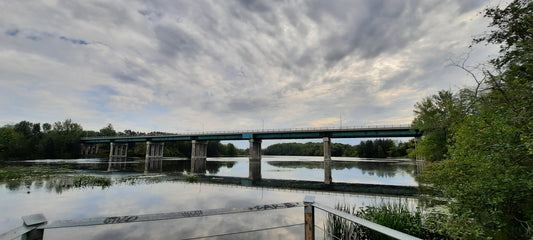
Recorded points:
(271,130)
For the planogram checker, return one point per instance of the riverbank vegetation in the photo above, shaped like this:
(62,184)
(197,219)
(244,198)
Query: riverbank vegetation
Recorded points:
(85,181)
(8,173)
(380,148)
(27,140)
(480,139)
(396,216)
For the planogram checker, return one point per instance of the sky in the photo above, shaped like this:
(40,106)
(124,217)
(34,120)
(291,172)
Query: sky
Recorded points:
(182,66)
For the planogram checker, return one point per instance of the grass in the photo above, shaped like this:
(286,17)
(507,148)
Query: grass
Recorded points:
(395,216)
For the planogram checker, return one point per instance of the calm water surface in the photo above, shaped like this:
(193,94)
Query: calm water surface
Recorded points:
(58,201)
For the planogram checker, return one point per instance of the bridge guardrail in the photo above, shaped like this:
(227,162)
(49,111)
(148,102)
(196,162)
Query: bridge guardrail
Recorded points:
(202,133)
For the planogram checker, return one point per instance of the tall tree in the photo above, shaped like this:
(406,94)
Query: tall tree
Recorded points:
(435,116)
(108,130)
(489,169)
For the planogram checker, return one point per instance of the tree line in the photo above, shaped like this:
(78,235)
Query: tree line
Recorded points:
(380,148)
(479,140)
(27,140)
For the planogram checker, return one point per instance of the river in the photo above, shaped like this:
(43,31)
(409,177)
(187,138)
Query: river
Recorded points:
(134,192)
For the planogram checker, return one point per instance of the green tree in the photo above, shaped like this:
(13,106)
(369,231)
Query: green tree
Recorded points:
(231,150)
(9,140)
(434,116)
(108,131)
(65,137)
(488,172)
(47,127)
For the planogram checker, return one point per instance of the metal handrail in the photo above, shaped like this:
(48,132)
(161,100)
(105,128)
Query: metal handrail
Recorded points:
(34,225)
(310,204)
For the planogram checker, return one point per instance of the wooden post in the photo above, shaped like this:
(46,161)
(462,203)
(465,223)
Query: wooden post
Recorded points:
(309,217)
(33,221)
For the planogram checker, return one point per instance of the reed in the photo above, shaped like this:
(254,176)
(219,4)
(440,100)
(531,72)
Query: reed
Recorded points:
(396,216)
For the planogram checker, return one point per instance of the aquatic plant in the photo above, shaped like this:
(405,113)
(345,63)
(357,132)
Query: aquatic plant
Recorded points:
(85,181)
(395,216)
(34,172)
(191,178)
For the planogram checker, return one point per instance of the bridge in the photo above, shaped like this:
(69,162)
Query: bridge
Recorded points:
(155,143)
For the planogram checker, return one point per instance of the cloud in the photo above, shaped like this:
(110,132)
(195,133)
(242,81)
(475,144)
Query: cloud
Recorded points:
(12,32)
(72,40)
(170,66)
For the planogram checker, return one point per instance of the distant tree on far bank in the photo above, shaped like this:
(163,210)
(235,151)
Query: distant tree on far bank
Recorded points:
(379,148)
(27,140)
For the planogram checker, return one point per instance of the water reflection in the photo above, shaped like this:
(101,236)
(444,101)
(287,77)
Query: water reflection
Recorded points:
(346,170)
(117,164)
(56,184)
(153,165)
(378,168)
(136,191)
(142,197)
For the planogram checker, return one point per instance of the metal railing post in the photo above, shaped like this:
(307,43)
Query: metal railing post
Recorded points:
(309,217)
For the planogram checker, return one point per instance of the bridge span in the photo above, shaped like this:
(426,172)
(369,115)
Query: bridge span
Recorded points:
(155,143)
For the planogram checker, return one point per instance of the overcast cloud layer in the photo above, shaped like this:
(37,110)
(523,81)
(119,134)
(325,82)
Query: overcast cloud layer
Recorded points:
(181,66)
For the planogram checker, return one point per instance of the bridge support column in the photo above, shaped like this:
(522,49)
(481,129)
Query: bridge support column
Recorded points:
(327,160)
(198,156)
(154,157)
(118,152)
(255,159)
(89,149)
(111,150)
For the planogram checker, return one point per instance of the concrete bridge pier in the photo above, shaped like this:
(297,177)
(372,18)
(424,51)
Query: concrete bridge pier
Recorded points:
(118,152)
(154,157)
(89,149)
(255,160)
(327,160)
(198,157)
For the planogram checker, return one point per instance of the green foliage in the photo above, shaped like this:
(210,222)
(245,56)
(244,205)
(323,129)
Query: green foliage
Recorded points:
(488,170)
(108,131)
(9,142)
(379,148)
(395,216)
(434,116)
(9,173)
(26,140)
(86,181)
(191,178)
(295,149)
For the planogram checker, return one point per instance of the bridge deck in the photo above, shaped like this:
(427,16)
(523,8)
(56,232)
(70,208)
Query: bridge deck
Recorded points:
(301,133)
